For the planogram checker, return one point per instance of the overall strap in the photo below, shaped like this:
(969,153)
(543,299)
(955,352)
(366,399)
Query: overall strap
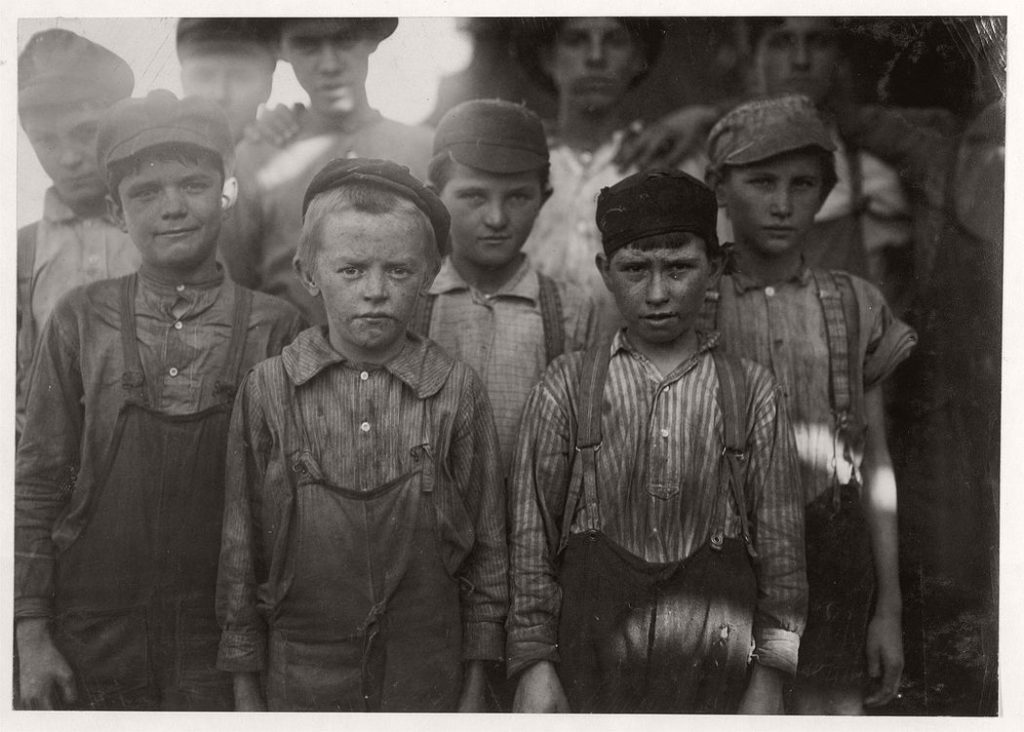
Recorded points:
(421,318)
(27,238)
(835,292)
(589,399)
(551,317)
(231,371)
(732,392)
(858,201)
(133,379)
(707,319)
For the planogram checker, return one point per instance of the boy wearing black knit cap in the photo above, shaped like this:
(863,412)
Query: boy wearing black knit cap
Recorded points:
(656,534)
(364,440)
(119,479)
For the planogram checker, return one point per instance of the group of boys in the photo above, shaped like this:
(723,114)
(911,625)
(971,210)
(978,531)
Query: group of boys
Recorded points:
(216,509)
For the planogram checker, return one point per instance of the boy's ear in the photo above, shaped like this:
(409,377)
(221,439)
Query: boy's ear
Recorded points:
(603,264)
(229,193)
(306,278)
(116,213)
(717,268)
(714,179)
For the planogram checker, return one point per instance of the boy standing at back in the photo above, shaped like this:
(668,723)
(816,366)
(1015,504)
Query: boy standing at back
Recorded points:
(647,458)
(364,561)
(119,479)
(488,306)
(831,341)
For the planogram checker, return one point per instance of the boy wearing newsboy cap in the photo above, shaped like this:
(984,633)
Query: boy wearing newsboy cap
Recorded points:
(831,341)
(119,479)
(65,82)
(656,534)
(364,563)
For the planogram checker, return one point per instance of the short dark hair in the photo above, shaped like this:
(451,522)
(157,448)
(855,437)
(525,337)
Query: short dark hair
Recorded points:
(439,172)
(181,152)
(671,240)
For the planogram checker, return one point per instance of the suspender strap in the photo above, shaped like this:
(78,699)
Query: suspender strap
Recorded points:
(590,397)
(133,378)
(551,317)
(840,343)
(732,470)
(421,318)
(231,372)
(27,238)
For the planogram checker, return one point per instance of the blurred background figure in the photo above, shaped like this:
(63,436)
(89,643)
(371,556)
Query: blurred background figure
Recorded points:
(229,61)
(65,83)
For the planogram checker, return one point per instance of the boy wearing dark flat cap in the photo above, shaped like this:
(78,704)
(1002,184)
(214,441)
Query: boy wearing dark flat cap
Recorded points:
(831,341)
(65,82)
(330,58)
(488,306)
(229,61)
(657,528)
(364,561)
(119,478)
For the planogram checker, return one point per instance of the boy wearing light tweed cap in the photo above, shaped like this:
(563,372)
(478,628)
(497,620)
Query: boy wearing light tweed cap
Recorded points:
(120,470)
(831,341)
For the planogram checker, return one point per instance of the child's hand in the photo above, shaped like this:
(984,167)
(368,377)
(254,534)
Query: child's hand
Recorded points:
(668,141)
(45,678)
(764,692)
(885,658)
(540,690)
(472,698)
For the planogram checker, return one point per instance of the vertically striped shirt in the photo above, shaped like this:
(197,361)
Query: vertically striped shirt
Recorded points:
(657,483)
(501,335)
(360,423)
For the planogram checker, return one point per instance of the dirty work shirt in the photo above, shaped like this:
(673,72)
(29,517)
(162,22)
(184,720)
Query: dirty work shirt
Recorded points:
(783,327)
(260,236)
(565,238)
(357,421)
(70,251)
(658,474)
(76,393)
(502,337)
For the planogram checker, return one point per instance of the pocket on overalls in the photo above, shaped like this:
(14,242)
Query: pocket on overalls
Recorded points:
(107,649)
(664,491)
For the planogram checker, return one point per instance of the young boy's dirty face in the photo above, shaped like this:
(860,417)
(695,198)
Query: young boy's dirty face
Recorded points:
(64,140)
(659,292)
(370,269)
(772,204)
(492,214)
(801,56)
(172,209)
(331,59)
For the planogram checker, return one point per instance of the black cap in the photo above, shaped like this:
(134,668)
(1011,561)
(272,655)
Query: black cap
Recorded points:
(198,34)
(656,202)
(390,175)
(376,28)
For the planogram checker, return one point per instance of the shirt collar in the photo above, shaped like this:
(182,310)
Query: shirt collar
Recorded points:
(519,285)
(705,342)
(744,282)
(55,211)
(420,365)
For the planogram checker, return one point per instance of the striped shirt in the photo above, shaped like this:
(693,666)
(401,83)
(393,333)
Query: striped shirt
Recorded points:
(501,336)
(658,480)
(360,423)
(782,326)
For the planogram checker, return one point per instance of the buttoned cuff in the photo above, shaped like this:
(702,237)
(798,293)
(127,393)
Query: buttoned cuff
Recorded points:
(32,607)
(483,641)
(242,651)
(777,648)
(522,655)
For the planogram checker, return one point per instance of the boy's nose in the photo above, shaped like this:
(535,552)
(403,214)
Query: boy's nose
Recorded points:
(781,203)
(656,290)
(596,52)
(327,58)
(801,53)
(496,216)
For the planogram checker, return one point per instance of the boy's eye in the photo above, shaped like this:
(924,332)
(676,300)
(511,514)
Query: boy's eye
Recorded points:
(401,272)
(349,271)
(196,187)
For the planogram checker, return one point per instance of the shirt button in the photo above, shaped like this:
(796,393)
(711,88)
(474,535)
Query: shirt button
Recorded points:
(365,426)
(180,288)
(363,376)
(769,291)
(177,326)
(173,371)
(664,433)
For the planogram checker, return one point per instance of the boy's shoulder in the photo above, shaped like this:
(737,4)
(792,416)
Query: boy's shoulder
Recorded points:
(270,307)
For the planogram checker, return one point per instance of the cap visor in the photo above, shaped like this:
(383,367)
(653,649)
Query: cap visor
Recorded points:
(497,158)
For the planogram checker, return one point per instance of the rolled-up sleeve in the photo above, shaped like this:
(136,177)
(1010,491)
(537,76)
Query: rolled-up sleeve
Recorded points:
(244,634)
(777,501)
(538,486)
(476,465)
